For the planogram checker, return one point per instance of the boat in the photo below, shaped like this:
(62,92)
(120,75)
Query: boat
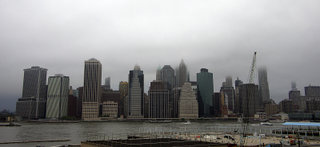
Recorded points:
(187,123)
(266,124)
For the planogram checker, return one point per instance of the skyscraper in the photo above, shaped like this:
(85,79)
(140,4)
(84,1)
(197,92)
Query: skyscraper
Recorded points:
(123,89)
(91,90)
(159,95)
(57,96)
(181,74)
(249,99)
(136,91)
(158,73)
(205,92)
(167,75)
(188,102)
(32,103)
(263,84)
(229,94)
(107,83)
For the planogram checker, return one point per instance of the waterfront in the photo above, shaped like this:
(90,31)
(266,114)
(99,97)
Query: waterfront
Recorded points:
(78,132)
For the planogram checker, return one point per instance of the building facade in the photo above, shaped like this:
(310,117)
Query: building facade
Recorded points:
(91,90)
(263,84)
(123,89)
(182,74)
(205,92)
(34,92)
(57,96)
(167,75)
(249,99)
(135,95)
(188,104)
(159,95)
(110,109)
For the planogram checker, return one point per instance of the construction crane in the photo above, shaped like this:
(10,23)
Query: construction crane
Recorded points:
(252,69)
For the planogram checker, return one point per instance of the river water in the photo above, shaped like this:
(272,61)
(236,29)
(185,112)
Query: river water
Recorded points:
(78,132)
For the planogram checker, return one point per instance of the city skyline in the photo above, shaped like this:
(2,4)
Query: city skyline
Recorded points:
(217,35)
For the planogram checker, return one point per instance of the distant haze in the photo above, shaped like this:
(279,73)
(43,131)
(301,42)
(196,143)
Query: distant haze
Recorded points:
(219,35)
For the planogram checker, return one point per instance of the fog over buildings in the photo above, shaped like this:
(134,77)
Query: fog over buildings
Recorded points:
(218,35)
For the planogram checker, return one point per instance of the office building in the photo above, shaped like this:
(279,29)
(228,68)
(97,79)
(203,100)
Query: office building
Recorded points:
(110,109)
(188,104)
(182,74)
(107,83)
(57,96)
(91,90)
(229,93)
(114,96)
(123,89)
(159,95)
(312,91)
(263,84)
(167,75)
(135,95)
(248,99)
(205,92)
(34,92)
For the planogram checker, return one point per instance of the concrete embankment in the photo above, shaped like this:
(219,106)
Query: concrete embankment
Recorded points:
(34,141)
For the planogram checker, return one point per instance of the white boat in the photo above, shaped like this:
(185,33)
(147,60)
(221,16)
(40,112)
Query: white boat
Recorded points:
(187,123)
(266,123)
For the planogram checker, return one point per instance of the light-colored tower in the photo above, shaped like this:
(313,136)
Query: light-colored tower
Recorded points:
(136,90)
(57,96)
(188,104)
(91,90)
(263,84)
(181,74)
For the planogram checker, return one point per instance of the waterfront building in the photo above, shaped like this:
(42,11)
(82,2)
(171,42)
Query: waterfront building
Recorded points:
(167,75)
(205,92)
(229,93)
(263,84)
(188,104)
(182,74)
(114,96)
(34,92)
(135,95)
(312,91)
(287,106)
(57,96)
(216,104)
(107,83)
(72,106)
(123,89)
(146,108)
(249,99)
(236,96)
(91,90)
(159,95)
(110,109)
(79,102)
(175,98)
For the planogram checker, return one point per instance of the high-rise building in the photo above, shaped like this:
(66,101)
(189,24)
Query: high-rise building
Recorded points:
(312,91)
(181,74)
(263,84)
(159,95)
(167,75)
(123,89)
(158,73)
(135,95)
(229,94)
(91,90)
(216,104)
(236,95)
(249,99)
(32,103)
(188,104)
(107,83)
(112,96)
(57,96)
(205,92)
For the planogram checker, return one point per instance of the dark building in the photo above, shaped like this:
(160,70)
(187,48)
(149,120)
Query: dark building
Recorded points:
(72,106)
(264,93)
(216,104)
(111,95)
(236,96)
(205,92)
(107,83)
(79,102)
(287,106)
(182,74)
(176,97)
(146,105)
(248,99)
(32,104)
(312,91)
(159,95)
(167,75)
(229,94)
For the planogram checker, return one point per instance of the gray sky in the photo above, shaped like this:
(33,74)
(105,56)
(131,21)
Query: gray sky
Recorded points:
(220,35)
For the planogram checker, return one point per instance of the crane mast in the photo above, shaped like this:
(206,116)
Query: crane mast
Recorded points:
(252,69)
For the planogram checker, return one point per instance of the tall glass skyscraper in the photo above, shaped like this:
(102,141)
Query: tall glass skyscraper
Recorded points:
(32,103)
(57,98)
(91,90)
(136,92)
(263,84)
(205,92)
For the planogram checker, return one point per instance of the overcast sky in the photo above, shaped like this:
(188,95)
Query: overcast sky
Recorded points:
(220,35)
